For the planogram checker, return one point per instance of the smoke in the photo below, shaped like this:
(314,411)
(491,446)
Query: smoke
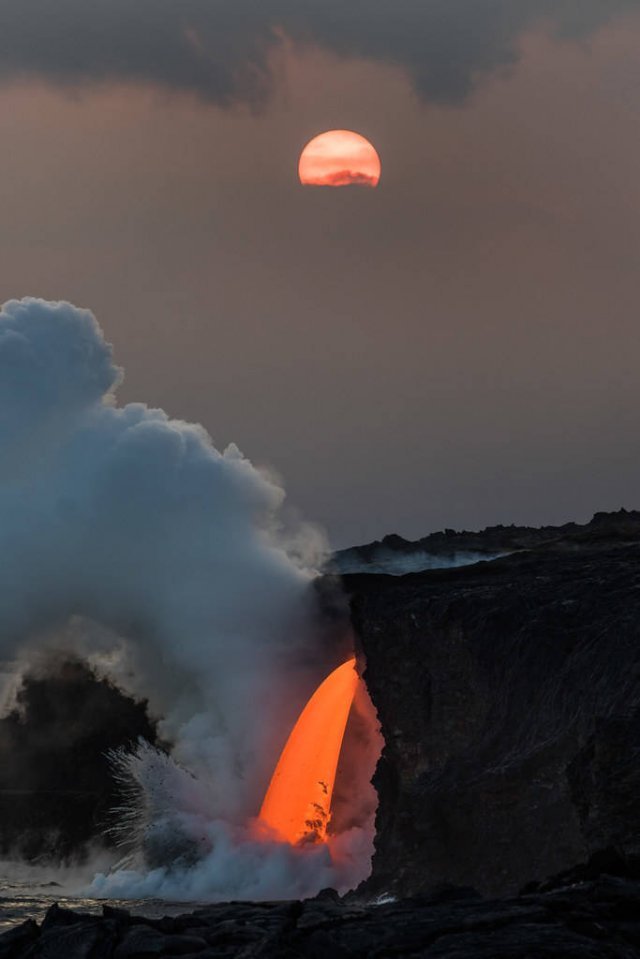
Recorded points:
(396,563)
(173,849)
(124,518)
(239,867)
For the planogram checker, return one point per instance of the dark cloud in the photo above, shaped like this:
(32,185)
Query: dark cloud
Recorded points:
(220,50)
(347,178)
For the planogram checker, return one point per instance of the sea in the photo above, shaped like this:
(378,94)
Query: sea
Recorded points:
(29,897)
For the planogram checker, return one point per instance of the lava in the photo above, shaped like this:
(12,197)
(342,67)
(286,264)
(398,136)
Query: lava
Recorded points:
(297,805)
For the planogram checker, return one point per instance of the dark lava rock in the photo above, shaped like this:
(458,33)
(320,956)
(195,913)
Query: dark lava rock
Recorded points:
(450,544)
(16,942)
(57,916)
(140,940)
(328,895)
(143,940)
(56,788)
(509,698)
(81,940)
(574,918)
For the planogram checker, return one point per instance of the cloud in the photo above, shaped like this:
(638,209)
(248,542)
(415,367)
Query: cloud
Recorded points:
(344,178)
(127,518)
(221,51)
(53,360)
(131,541)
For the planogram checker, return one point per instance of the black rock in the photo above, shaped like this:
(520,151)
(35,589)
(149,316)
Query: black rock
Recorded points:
(509,699)
(541,942)
(16,942)
(182,945)
(328,895)
(598,917)
(140,941)
(59,916)
(117,913)
(53,756)
(79,940)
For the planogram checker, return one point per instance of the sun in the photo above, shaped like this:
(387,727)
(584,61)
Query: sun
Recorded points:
(339,158)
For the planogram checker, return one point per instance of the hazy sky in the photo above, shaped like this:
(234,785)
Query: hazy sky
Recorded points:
(459,347)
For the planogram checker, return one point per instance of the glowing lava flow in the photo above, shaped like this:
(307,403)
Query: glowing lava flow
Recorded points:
(298,801)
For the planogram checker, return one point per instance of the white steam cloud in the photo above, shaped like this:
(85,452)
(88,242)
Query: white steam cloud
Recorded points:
(395,563)
(126,518)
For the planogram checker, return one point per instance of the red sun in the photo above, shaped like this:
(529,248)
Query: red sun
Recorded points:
(339,158)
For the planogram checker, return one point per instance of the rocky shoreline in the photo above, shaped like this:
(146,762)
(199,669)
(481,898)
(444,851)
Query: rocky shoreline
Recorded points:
(508,694)
(591,912)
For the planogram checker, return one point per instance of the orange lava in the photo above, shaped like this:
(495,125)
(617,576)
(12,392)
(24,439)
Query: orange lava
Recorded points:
(297,805)
(339,158)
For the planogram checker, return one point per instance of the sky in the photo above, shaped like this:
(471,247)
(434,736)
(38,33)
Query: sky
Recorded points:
(456,348)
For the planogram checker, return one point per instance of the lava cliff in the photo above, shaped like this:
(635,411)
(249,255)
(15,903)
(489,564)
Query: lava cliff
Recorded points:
(509,698)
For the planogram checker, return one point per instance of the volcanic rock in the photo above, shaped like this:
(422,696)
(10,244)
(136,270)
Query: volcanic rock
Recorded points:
(451,546)
(571,917)
(17,941)
(56,787)
(509,698)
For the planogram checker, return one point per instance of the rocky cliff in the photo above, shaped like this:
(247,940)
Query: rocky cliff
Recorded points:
(509,698)
(394,554)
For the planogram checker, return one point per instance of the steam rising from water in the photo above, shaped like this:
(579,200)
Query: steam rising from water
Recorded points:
(131,520)
(394,563)
(181,853)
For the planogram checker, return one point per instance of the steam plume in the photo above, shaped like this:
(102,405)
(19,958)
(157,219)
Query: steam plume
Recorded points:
(129,518)
(165,559)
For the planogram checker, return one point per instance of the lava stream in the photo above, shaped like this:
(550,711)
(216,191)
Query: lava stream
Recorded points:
(297,804)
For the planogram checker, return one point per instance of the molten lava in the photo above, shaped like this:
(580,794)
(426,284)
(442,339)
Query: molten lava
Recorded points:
(297,805)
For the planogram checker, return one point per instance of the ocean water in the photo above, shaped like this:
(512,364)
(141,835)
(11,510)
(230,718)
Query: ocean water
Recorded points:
(30,897)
